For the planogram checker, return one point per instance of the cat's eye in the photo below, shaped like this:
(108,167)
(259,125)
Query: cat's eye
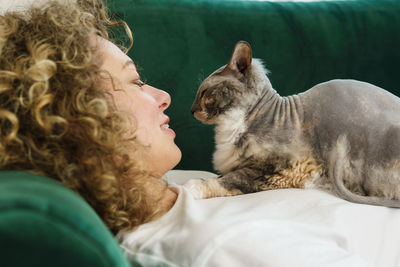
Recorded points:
(202,93)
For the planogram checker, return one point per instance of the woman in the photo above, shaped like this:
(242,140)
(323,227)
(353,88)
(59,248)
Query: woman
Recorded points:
(73,107)
(62,115)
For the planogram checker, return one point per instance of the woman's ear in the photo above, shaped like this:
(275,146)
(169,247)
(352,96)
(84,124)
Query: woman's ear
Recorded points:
(240,60)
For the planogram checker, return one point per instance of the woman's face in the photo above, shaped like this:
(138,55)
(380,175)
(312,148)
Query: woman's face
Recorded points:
(144,102)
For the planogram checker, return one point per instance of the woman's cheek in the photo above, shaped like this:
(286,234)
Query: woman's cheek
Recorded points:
(143,136)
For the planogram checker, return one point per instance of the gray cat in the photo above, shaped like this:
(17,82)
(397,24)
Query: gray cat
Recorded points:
(341,135)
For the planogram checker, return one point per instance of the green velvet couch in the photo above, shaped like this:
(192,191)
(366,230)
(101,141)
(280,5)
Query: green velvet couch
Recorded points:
(177,44)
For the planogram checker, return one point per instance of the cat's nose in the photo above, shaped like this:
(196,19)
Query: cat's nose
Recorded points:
(195,107)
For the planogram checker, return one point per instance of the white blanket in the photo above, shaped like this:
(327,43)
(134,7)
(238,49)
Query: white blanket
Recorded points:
(288,227)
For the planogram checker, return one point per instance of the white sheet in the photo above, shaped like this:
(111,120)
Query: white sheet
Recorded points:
(290,227)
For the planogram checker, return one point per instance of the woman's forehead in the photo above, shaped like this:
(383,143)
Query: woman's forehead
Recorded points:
(112,54)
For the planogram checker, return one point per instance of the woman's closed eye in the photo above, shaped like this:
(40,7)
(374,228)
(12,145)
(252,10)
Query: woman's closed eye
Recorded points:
(138,83)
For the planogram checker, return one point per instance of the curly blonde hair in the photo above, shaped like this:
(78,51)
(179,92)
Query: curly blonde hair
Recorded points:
(54,118)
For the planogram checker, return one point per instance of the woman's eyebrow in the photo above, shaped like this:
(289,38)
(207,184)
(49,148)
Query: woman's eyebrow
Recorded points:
(128,63)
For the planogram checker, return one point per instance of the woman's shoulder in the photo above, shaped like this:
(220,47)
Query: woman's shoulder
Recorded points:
(182,176)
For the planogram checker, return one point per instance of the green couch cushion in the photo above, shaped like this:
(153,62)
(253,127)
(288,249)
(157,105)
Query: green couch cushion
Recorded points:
(43,223)
(179,42)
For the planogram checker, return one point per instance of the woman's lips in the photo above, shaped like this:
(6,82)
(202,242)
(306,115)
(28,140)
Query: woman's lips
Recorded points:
(165,127)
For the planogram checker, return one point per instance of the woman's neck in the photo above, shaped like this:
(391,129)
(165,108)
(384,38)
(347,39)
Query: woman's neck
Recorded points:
(169,199)
(165,196)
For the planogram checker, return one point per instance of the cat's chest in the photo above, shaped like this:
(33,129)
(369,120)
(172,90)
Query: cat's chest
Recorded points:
(235,144)
(230,134)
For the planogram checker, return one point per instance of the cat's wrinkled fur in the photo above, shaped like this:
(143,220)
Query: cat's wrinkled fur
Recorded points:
(341,135)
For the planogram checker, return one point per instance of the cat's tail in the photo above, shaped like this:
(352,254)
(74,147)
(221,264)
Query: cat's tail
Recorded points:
(339,163)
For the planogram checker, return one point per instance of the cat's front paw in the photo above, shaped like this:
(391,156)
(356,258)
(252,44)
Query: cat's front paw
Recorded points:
(196,188)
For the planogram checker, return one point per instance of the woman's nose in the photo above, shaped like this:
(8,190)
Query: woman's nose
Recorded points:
(162,98)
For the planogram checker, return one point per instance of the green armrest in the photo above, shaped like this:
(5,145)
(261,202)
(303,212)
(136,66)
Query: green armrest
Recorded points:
(43,223)
(180,42)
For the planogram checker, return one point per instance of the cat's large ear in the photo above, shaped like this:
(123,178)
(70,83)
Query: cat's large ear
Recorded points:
(240,60)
